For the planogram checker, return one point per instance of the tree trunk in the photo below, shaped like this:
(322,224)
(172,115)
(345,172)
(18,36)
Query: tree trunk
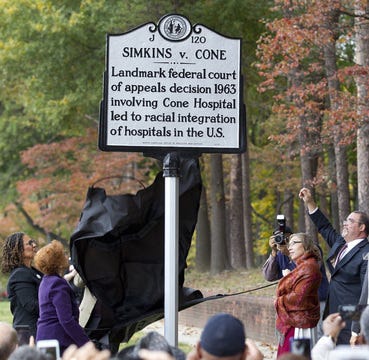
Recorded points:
(302,219)
(362,59)
(307,177)
(333,89)
(342,180)
(236,230)
(203,248)
(217,216)
(288,210)
(247,211)
(308,137)
(333,187)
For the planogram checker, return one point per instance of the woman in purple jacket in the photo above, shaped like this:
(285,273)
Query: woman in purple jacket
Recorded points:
(58,308)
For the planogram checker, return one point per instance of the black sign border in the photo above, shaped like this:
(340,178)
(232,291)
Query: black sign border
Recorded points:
(102,140)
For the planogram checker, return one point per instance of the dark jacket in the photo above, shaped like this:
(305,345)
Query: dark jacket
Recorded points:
(22,291)
(347,277)
(273,266)
(356,327)
(59,313)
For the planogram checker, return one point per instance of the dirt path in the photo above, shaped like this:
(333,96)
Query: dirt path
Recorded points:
(190,335)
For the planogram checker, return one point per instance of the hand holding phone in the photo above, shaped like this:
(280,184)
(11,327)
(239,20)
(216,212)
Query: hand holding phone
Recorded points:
(351,312)
(50,348)
(23,334)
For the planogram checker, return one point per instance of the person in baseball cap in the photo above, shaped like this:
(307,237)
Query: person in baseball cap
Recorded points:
(224,337)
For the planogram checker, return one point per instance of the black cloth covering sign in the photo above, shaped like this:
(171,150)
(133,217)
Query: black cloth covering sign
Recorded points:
(118,249)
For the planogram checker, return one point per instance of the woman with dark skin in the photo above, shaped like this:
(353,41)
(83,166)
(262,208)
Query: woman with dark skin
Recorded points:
(24,280)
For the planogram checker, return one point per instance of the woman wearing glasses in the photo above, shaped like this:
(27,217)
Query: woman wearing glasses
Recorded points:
(297,301)
(24,280)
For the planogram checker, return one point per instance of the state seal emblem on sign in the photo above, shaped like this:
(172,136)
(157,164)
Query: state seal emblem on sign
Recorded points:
(174,27)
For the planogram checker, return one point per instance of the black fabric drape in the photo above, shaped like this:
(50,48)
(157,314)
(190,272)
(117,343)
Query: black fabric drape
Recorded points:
(118,249)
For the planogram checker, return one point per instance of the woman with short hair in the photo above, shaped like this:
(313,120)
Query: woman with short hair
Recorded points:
(58,307)
(297,302)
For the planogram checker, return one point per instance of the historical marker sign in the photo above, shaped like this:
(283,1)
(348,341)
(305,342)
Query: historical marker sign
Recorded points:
(172,86)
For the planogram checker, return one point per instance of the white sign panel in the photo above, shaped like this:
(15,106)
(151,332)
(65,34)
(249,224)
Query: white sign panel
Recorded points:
(171,86)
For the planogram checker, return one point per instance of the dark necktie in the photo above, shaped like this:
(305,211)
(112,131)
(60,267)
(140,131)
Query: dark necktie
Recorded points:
(339,255)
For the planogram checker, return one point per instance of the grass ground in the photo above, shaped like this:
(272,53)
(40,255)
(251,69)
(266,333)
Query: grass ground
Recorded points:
(225,283)
(229,282)
(5,314)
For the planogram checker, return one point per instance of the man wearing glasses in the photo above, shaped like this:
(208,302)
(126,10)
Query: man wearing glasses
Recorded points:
(345,259)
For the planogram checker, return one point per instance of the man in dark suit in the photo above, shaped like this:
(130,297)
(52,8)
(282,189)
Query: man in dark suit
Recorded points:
(356,331)
(345,260)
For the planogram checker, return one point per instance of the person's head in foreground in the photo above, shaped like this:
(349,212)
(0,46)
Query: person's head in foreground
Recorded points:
(154,342)
(26,352)
(8,340)
(290,356)
(224,337)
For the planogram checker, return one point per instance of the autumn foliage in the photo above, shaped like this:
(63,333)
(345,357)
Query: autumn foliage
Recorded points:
(62,172)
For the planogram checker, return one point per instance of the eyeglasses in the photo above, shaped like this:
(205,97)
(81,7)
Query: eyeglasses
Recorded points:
(31,242)
(291,243)
(351,221)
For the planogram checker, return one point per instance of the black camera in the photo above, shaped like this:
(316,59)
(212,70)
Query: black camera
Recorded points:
(279,234)
(351,312)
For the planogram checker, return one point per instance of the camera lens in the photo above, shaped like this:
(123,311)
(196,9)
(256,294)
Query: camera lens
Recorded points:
(279,238)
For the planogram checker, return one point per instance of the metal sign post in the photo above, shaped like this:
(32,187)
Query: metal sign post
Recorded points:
(172,88)
(171,174)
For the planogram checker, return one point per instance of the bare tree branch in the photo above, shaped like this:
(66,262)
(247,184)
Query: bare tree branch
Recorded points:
(49,235)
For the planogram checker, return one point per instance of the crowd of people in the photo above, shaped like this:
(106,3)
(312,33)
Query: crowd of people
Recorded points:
(223,337)
(295,263)
(310,322)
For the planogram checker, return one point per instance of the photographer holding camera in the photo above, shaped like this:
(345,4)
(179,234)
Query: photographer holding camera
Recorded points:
(279,263)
